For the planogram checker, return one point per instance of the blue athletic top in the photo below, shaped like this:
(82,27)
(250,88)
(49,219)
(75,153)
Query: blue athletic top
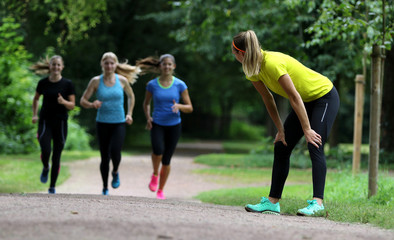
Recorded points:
(163,101)
(112,98)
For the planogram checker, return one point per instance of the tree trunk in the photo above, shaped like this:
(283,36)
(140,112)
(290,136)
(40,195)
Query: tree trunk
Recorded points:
(374,127)
(387,129)
(358,122)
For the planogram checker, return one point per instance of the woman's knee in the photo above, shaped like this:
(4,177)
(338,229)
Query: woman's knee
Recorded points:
(165,161)
(281,149)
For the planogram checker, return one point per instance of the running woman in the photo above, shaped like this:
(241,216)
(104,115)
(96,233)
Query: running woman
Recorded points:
(110,87)
(315,104)
(165,122)
(59,98)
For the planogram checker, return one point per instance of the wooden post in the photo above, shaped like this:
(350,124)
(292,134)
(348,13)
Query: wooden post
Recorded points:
(374,127)
(358,122)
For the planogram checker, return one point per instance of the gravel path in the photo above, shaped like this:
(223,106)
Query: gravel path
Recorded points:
(135,173)
(78,211)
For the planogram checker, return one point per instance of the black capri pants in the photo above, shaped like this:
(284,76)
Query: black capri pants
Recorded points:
(321,113)
(110,137)
(164,140)
(52,131)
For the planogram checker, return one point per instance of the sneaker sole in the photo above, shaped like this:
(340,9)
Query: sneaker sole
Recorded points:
(302,214)
(263,212)
(308,215)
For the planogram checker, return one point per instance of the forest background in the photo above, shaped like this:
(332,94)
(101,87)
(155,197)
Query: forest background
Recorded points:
(199,34)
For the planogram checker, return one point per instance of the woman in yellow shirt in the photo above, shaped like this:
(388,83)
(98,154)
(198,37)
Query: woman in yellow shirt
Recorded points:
(315,103)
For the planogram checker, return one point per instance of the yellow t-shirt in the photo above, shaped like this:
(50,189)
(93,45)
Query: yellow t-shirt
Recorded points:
(310,85)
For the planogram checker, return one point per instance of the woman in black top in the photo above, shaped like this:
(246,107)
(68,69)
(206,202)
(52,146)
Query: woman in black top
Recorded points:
(59,98)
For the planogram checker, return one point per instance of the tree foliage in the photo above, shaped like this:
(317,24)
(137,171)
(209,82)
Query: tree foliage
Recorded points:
(70,20)
(208,26)
(17,85)
(358,22)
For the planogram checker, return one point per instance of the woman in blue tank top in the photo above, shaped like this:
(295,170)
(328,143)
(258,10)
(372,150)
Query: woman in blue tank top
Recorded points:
(111,118)
(165,125)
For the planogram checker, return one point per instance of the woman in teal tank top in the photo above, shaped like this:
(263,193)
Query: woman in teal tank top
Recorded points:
(111,118)
(315,103)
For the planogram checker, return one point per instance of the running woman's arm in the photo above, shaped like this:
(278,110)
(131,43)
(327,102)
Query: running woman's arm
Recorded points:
(92,87)
(146,107)
(298,105)
(130,99)
(35,107)
(70,104)
(270,105)
(186,107)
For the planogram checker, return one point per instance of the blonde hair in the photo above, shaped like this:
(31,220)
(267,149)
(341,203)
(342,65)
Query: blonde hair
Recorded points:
(124,69)
(41,67)
(248,42)
(152,64)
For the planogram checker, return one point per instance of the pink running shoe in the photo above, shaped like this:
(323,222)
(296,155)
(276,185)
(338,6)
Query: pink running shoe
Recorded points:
(160,195)
(153,183)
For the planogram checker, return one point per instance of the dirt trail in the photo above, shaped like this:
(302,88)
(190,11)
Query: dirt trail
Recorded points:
(79,211)
(135,173)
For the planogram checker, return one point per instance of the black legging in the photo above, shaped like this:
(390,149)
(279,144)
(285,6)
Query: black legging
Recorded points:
(164,140)
(321,114)
(48,130)
(111,137)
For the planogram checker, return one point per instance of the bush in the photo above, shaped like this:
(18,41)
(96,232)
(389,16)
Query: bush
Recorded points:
(387,158)
(244,131)
(265,147)
(77,137)
(17,84)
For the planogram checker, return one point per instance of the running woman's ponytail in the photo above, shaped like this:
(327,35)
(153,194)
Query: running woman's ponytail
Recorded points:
(152,64)
(126,70)
(41,67)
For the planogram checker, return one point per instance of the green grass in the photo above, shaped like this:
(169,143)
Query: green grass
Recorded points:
(20,173)
(248,176)
(67,156)
(240,147)
(348,147)
(346,196)
(346,199)
(234,160)
(21,176)
(249,160)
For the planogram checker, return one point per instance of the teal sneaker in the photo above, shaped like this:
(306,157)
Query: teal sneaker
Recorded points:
(44,175)
(115,180)
(105,191)
(265,206)
(311,209)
